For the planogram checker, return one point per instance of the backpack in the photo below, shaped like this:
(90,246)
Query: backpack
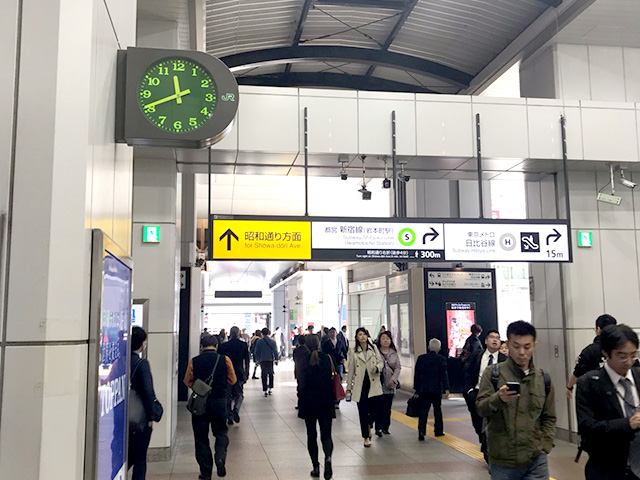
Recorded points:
(495,376)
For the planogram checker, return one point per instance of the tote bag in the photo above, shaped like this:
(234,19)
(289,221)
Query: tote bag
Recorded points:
(338,391)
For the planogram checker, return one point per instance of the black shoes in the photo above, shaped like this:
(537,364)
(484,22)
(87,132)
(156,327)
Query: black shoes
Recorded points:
(328,470)
(386,432)
(421,438)
(265,394)
(439,434)
(202,477)
(379,433)
(236,416)
(315,473)
(230,421)
(221,470)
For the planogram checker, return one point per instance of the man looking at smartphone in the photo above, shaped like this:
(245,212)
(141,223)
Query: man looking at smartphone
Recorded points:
(517,402)
(607,405)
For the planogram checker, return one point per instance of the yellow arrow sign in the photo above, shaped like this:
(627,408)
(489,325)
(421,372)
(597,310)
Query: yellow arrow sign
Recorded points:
(262,240)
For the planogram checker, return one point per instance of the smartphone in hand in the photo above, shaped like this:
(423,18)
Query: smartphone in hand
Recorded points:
(513,386)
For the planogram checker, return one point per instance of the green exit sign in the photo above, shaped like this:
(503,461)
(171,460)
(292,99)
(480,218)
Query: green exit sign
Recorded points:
(585,239)
(151,233)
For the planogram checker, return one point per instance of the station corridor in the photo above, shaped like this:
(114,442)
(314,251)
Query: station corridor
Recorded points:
(269,443)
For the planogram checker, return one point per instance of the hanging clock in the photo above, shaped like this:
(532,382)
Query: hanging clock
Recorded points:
(171,98)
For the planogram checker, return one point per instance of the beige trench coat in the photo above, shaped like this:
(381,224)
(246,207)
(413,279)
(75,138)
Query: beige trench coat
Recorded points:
(371,360)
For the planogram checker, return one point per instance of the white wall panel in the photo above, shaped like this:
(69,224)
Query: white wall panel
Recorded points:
(332,124)
(615,216)
(632,74)
(374,124)
(573,74)
(160,353)
(503,129)
(445,129)
(609,133)
(269,123)
(545,134)
(582,194)
(154,190)
(585,299)
(606,71)
(620,273)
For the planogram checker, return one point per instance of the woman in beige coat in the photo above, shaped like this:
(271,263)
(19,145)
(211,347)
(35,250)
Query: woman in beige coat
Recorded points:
(363,381)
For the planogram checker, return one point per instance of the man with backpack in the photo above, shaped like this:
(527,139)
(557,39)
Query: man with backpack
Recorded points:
(217,371)
(516,399)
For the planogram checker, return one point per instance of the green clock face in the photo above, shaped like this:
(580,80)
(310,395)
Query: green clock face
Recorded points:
(177,95)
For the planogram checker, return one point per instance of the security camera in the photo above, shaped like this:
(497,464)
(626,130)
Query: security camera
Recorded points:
(386,183)
(366,194)
(628,183)
(403,177)
(343,175)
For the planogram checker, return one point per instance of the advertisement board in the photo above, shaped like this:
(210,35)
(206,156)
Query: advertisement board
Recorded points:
(460,317)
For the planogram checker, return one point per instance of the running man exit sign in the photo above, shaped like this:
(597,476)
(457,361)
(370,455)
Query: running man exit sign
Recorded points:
(585,239)
(151,234)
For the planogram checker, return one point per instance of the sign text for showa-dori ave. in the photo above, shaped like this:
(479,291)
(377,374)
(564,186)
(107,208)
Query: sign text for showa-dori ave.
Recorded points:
(273,239)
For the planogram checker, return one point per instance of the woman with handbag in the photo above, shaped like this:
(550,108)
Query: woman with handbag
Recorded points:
(363,381)
(389,379)
(142,392)
(315,402)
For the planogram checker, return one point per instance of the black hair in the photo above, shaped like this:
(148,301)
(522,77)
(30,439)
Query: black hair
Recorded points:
(234,332)
(476,329)
(493,330)
(258,333)
(362,329)
(138,336)
(302,340)
(326,330)
(265,331)
(310,328)
(388,334)
(614,336)
(209,341)
(605,320)
(313,343)
(333,328)
(343,327)
(521,329)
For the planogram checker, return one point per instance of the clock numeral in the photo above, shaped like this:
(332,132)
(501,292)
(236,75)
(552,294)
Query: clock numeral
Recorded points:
(178,67)
(177,125)
(150,108)
(193,122)
(194,72)
(154,81)
(163,70)
(205,83)
(204,111)
(208,97)
(162,118)
(146,94)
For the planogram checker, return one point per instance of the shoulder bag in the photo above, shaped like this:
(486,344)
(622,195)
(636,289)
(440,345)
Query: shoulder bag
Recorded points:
(197,403)
(413,406)
(137,415)
(338,391)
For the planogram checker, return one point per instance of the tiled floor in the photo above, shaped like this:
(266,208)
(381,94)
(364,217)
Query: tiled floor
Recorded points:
(269,443)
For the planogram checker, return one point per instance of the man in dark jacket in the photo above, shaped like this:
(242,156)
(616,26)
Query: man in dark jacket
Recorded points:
(238,351)
(472,345)
(331,346)
(591,356)
(266,353)
(606,402)
(430,380)
(217,371)
(477,362)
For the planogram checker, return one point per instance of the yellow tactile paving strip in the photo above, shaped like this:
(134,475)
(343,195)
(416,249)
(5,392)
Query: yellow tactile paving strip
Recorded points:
(462,446)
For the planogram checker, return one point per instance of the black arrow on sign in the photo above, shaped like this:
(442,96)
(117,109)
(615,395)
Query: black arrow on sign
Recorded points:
(434,234)
(556,236)
(229,233)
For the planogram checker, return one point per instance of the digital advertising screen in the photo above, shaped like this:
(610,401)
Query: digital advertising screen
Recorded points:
(460,317)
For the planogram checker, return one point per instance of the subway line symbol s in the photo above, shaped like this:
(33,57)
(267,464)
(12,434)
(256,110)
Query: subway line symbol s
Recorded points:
(228,97)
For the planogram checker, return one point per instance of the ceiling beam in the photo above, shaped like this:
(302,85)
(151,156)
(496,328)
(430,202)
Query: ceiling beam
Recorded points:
(386,4)
(333,80)
(282,55)
(298,33)
(552,3)
(396,29)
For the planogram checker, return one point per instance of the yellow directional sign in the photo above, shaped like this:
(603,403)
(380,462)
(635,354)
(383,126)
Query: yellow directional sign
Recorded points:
(257,239)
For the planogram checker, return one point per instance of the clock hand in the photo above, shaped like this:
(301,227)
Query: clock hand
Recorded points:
(168,99)
(176,85)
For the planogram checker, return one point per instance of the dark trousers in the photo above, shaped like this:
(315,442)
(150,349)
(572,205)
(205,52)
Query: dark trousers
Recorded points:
(425,402)
(383,422)
(470,397)
(255,369)
(367,408)
(325,437)
(138,446)
(216,419)
(266,369)
(235,398)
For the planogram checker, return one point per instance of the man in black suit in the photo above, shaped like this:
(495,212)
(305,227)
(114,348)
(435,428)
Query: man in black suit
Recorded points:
(238,351)
(430,380)
(606,402)
(477,362)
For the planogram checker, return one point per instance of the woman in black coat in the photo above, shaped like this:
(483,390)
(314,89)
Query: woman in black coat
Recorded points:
(316,403)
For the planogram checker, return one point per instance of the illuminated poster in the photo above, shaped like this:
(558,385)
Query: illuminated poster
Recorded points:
(460,317)
(113,386)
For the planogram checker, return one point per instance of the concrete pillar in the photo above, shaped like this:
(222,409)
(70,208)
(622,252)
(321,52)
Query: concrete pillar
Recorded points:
(156,277)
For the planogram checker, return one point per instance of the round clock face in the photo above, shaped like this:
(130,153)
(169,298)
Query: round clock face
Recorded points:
(177,95)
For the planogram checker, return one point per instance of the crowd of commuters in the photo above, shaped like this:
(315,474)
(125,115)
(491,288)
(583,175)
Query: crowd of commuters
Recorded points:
(510,400)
